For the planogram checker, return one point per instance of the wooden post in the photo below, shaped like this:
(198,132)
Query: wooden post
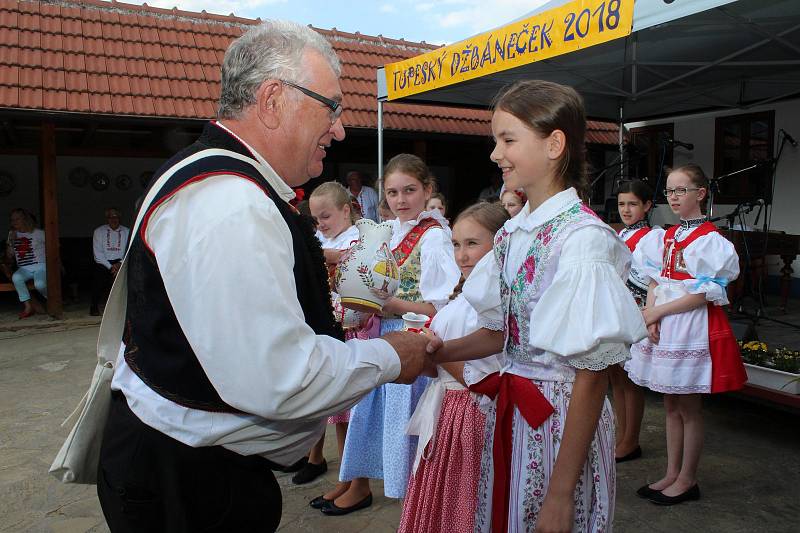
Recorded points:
(48,186)
(421,149)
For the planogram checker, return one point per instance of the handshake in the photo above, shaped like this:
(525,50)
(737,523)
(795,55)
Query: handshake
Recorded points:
(416,351)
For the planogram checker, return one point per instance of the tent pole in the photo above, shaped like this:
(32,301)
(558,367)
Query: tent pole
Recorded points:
(621,147)
(380,149)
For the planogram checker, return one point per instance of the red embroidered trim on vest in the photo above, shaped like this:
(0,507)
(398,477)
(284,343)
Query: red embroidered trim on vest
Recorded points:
(636,237)
(669,236)
(406,246)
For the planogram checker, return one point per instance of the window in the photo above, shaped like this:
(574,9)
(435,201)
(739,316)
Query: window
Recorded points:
(740,141)
(648,154)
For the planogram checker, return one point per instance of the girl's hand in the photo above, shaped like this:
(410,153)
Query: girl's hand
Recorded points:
(651,315)
(557,514)
(654,332)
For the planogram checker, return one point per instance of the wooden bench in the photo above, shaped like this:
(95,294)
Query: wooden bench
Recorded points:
(7,286)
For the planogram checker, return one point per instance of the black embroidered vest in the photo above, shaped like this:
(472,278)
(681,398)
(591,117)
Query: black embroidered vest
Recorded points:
(156,348)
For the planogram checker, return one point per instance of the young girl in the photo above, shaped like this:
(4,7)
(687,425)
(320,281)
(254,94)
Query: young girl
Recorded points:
(442,493)
(438,202)
(384,213)
(512,201)
(549,460)
(330,207)
(634,201)
(377,446)
(690,349)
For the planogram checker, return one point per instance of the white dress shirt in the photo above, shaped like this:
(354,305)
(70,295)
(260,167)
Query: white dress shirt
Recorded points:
(225,255)
(367,198)
(109,244)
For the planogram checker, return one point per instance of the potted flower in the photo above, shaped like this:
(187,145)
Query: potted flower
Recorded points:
(777,369)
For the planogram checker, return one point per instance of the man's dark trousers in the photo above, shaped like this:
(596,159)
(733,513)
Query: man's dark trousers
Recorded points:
(150,482)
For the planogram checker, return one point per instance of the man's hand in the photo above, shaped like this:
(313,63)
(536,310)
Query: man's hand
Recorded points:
(410,347)
(115,268)
(557,515)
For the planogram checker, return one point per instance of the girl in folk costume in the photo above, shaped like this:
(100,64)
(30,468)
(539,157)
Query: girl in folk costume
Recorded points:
(442,493)
(549,460)
(634,201)
(331,207)
(690,349)
(512,201)
(376,445)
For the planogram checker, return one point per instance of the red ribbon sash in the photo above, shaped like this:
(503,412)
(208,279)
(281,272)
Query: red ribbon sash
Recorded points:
(511,391)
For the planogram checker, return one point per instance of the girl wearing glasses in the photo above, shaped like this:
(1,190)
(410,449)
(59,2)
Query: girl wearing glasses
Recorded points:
(690,349)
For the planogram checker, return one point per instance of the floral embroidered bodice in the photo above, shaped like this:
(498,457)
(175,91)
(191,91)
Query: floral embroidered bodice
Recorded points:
(520,294)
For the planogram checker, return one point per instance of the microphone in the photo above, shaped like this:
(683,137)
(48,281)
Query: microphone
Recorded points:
(688,146)
(788,137)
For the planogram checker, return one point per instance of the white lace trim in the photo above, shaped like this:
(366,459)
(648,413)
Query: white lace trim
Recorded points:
(494,325)
(602,357)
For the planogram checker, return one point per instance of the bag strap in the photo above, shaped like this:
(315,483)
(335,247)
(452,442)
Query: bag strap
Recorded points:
(112,324)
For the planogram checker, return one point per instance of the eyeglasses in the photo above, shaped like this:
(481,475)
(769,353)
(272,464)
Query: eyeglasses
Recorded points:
(679,191)
(334,106)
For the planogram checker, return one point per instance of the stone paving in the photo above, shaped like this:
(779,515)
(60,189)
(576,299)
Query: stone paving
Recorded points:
(749,473)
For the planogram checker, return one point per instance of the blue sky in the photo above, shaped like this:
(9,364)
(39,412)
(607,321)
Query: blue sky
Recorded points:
(432,21)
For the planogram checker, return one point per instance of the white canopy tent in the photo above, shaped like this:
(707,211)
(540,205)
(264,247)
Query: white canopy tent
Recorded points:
(681,57)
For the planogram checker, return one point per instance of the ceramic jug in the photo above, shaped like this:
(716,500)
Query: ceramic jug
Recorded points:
(367,274)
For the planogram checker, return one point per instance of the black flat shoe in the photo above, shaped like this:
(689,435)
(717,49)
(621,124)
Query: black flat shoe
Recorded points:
(310,472)
(646,492)
(635,454)
(319,502)
(334,510)
(692,494)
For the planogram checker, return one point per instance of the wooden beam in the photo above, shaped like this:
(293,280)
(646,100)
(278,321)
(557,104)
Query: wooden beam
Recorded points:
(48,182)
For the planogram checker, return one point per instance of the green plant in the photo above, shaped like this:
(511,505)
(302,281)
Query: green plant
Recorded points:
(758,353)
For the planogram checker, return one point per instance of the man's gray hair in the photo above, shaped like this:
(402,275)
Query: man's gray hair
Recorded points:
(271,50)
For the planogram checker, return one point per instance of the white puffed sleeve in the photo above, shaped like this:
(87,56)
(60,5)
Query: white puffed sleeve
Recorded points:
(482,291)
(713,263)
(440,273)
(587,314)
(648,256)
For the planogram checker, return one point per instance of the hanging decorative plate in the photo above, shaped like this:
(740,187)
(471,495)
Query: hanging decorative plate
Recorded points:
(123,182)
(7,183)
(100,181)
(144,178)
(79,176)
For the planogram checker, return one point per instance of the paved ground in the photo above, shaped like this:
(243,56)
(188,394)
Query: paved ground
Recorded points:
(749,473)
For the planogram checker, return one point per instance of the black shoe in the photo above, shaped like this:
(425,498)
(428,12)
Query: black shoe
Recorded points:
(635,454)
(646,492)
(319,502)
(294,467)
(332,509)
(94,311)
(691,494)
(310,472)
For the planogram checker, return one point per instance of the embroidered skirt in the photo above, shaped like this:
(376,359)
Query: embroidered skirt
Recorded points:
(533,457)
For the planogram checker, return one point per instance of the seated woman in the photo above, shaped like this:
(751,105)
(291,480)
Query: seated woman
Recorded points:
(25,245)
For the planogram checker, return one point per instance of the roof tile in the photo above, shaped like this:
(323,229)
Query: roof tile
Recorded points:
(9,19)
(51,41)
(73,43)
(100,103)
(51,24)
(137,67)
(122,104)
(29,57)
(131,35)
(55,100)
(96,64)
(116,65)
(75,62)
(53,60)
(30,39)
(159,87)
(30,77)
(9,75)
(9,96)
(92,28)
(156,69)
(78,101)
(29,22)
(171,53)
(140,86)
(54,80)
(179,89)
(30,98)
(111,31)
(98,83)
(77,81)
(113,48)
(71,27)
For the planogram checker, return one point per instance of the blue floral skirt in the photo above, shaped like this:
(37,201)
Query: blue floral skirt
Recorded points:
(377,445)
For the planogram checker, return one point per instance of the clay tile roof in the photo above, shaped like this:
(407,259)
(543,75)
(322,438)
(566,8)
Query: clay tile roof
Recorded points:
(94,56)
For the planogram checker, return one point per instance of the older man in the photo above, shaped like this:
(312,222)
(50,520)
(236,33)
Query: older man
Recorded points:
(109,243)
(232,356)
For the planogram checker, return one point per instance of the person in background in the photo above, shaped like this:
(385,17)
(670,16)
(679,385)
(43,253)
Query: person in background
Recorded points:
(634,203)
(25,246)
(366,197)
(513,201)
(384,212)
(109,243)
(438,202)
(492,192)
